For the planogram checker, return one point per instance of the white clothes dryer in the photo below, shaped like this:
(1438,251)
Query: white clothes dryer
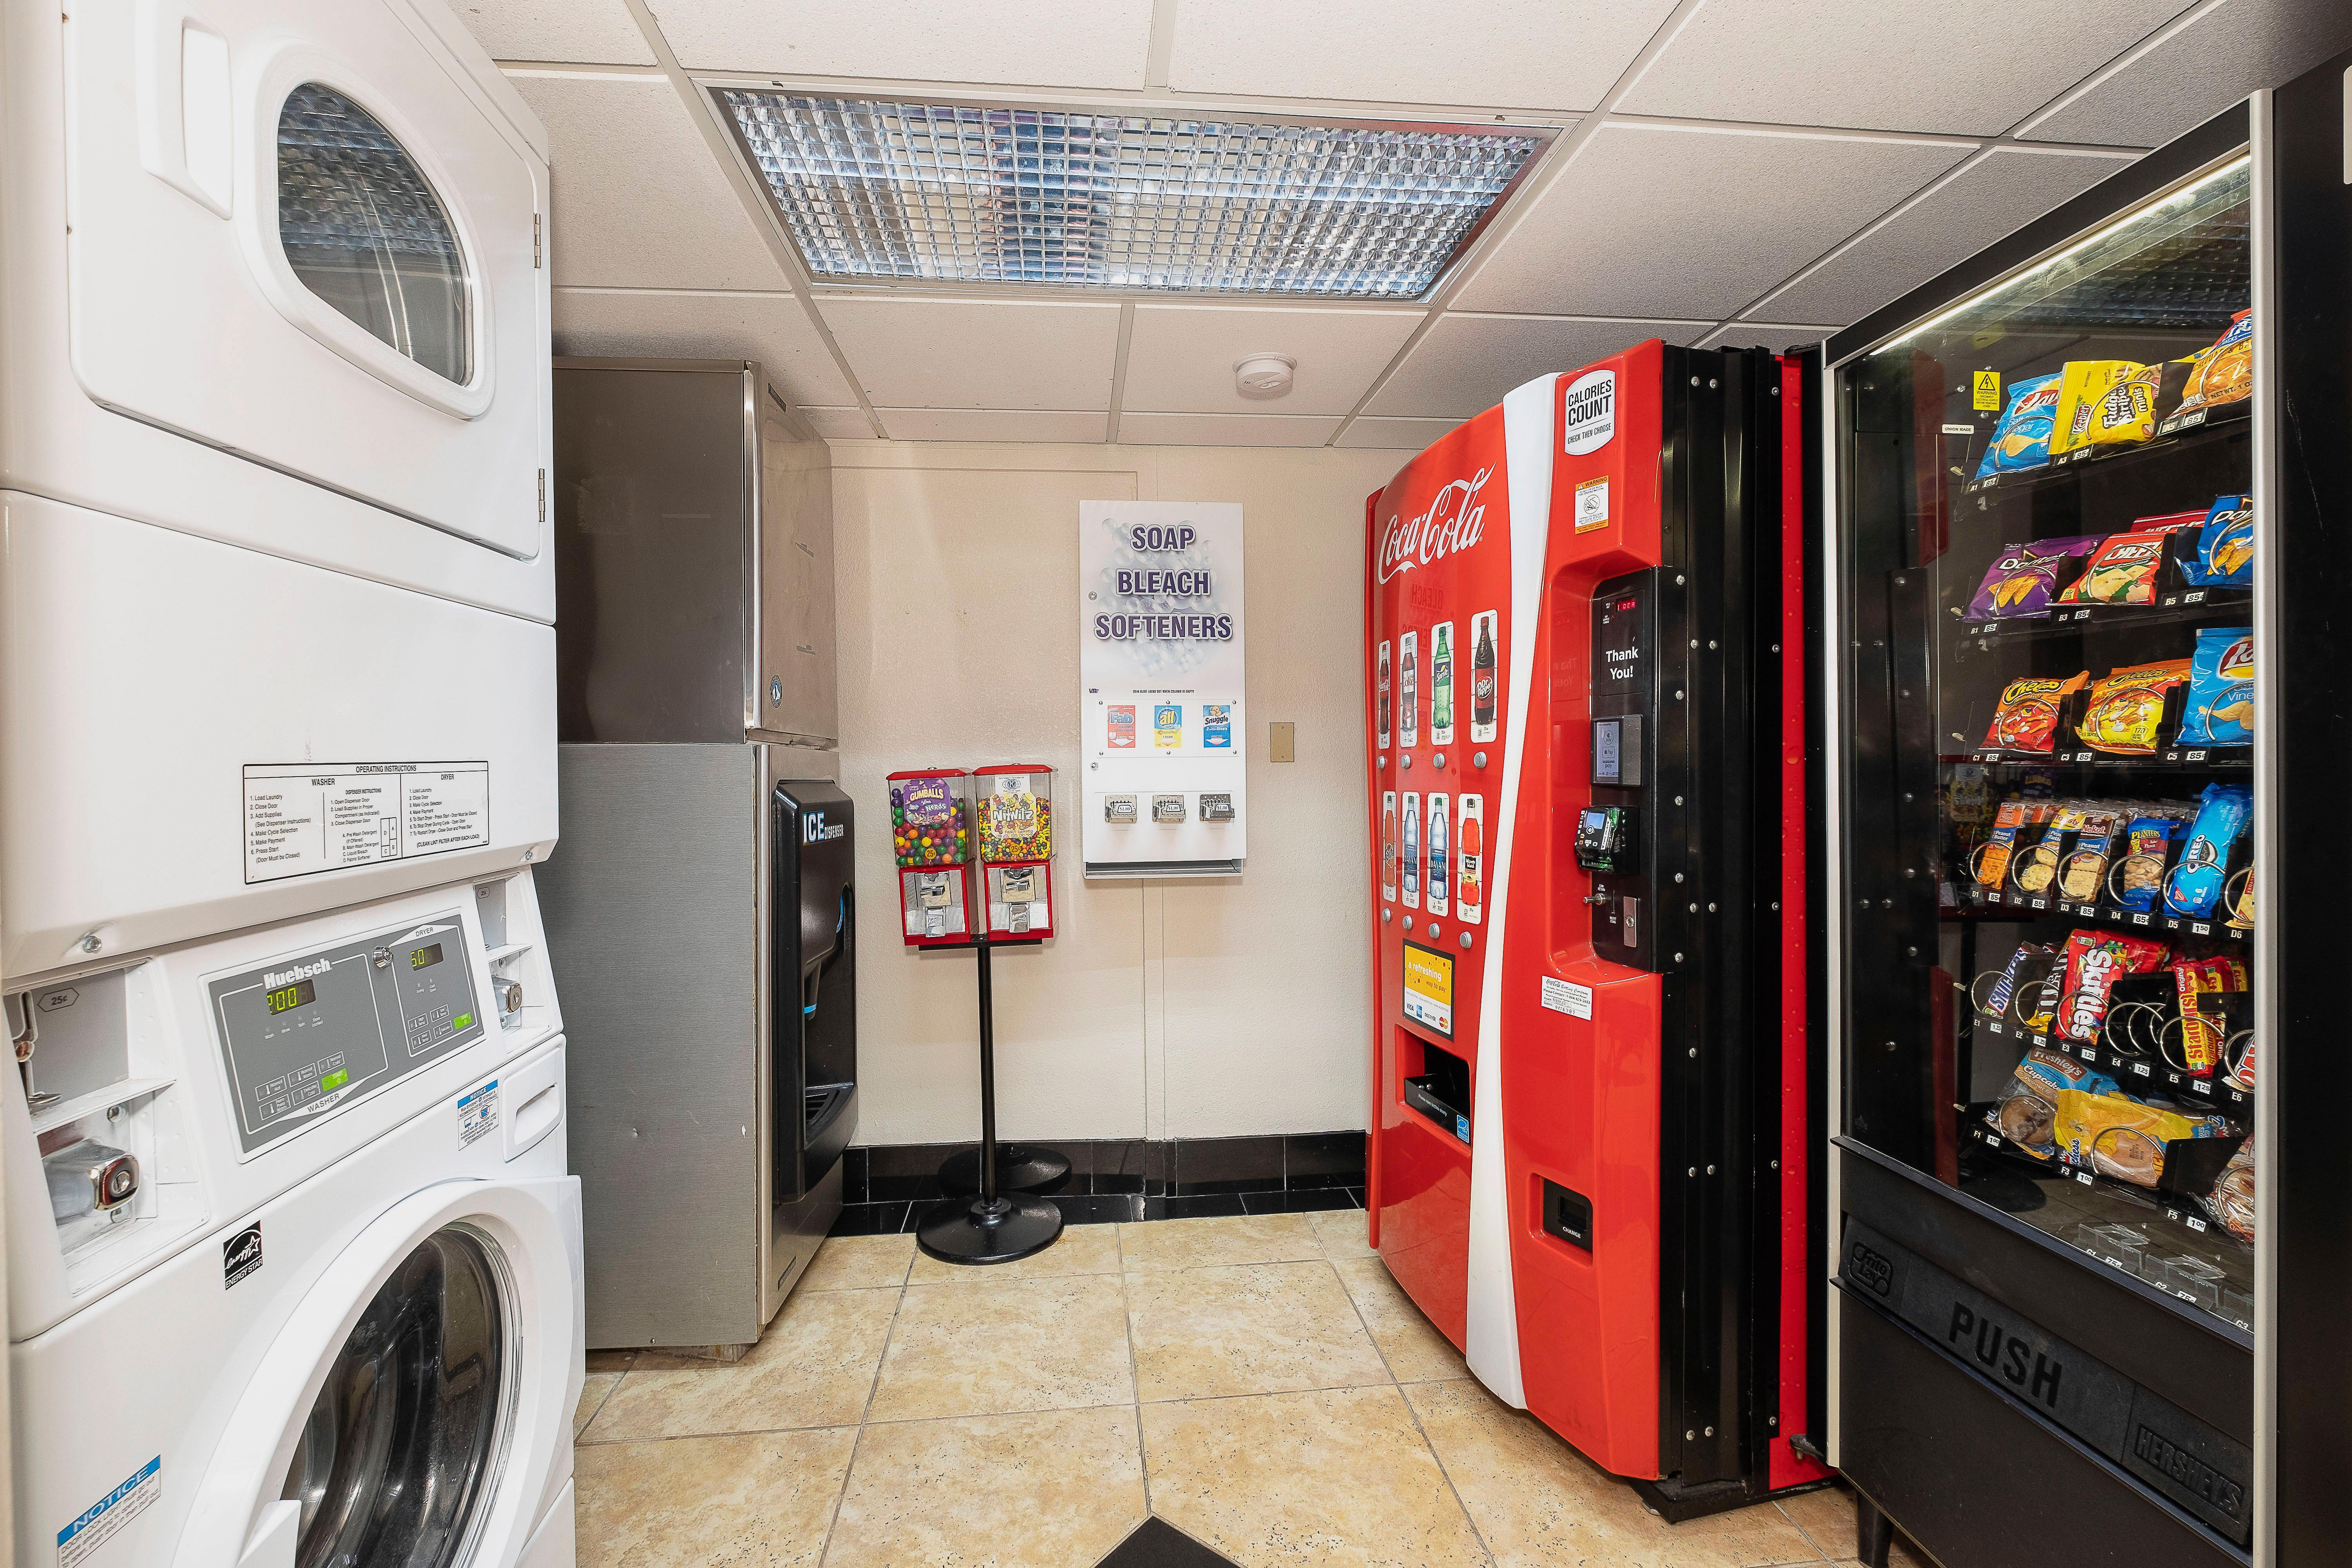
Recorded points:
(333,1314)
(273,449)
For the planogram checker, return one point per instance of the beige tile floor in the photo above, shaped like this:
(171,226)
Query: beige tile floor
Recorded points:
(1259,1383)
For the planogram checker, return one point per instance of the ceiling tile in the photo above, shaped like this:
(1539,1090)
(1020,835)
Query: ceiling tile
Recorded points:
(1667,222)
(1037,43)
(2198,68)
(1989,199)
(974,353)
(591,32)
(770,328)
(1529,54)
(639,201)
(1780,337)
(838,424)
(1467,363)
(992,425)
(1960,66)
(1225,429)
(1179,358)
(1395,435)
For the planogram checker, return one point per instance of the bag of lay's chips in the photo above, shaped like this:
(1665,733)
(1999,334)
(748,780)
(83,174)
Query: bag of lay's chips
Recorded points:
(2220,711)
(2225,548)
(2022,440)
(2084,388)
(2226,374)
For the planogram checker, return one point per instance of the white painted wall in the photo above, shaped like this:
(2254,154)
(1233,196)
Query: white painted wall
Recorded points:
(1161,1009)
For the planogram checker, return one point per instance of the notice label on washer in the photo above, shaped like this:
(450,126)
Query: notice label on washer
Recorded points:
(1567,996)
(110,1515)
(477,1112)
(300,820)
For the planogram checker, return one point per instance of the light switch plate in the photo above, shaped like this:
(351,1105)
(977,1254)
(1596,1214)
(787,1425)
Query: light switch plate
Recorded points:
(1282,741)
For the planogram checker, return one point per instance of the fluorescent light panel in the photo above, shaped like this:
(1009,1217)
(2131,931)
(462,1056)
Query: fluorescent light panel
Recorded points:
(875,191)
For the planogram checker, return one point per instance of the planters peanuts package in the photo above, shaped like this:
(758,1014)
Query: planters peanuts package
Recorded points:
(2195,885)
(2225,547)
(2146,848)
(2220,711)
(2022,440)
(2025,578)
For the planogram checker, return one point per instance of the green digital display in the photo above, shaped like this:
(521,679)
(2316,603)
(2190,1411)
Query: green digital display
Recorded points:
(424,957)
(462,1021)
(286,998)
(334,1080)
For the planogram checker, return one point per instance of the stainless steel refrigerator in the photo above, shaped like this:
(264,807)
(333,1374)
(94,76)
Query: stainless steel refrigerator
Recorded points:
(702,893)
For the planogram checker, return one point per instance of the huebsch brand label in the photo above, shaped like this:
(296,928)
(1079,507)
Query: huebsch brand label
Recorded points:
(1588,416)
(301,819)
(240,1254)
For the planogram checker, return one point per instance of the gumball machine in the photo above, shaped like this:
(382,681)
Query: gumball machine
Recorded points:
(1015,804)
(931,834)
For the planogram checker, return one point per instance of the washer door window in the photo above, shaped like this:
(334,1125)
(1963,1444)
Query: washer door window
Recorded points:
(365,232)
(395,1464)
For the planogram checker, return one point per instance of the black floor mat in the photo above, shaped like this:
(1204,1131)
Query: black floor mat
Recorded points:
(1156,1543)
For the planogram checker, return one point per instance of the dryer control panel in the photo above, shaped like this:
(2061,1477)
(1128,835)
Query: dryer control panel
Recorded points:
(303,1034)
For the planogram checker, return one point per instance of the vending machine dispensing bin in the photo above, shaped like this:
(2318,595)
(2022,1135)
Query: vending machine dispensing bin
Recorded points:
(1014,804)
(931,836)
(1590,1129)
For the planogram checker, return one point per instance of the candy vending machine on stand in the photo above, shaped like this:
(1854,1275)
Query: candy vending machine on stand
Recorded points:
(1014,804)
(931,837)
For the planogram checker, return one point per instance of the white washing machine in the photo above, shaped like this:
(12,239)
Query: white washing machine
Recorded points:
(276,591)
(294,1259)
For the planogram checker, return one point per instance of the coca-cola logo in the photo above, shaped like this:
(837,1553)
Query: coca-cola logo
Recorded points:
(1454,520)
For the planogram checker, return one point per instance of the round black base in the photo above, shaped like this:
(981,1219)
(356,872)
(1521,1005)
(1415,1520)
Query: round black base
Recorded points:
(1019,1168)
(964,1230)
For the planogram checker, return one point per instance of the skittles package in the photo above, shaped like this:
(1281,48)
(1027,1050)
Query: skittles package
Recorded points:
(2025,578)
(2027,717)
(2195,885)
(2124,713)
(2022,440)
(2225,548)
(2226,372)
(2095,960)
(2220,711)
(2086,388)
(2123,571)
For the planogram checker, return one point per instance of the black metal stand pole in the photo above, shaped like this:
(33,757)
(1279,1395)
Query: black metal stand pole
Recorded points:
(1011,1167)
(991,1227)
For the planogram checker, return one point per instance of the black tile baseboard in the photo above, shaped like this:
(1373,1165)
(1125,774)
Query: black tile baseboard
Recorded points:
(1113,1208)
(1129,1167)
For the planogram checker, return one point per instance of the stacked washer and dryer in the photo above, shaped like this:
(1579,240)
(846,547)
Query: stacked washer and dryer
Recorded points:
(293,1259)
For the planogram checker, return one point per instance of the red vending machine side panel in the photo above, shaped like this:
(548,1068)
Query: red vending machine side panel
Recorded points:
(1438,629)
(1580,1033)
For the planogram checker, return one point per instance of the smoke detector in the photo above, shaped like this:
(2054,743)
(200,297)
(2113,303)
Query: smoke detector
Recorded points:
(1263,376)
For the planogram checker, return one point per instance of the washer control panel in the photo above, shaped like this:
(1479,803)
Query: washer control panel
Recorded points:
(307,1033)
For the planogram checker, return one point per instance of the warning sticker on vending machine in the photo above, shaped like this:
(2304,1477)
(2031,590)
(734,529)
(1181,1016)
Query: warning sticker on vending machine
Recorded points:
(1429,989)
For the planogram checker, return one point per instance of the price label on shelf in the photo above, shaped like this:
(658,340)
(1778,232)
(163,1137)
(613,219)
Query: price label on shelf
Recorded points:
(2140,1067)
(2194,1223)
(2203,1086)
(2084,1177)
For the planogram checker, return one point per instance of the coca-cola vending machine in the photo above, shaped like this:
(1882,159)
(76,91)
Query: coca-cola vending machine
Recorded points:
(1591,1147)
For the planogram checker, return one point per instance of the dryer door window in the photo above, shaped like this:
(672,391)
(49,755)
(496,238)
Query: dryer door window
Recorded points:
(364,231)
(395,1462)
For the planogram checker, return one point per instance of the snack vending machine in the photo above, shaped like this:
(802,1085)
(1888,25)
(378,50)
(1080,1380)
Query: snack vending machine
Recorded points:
(930,836)
(2089,507)
(1014,802)
(1590,1155)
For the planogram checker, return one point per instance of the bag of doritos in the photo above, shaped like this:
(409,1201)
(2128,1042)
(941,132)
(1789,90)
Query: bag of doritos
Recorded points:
(2225,547)
(2220,711)
(2085,386)
(2022,440)
(2124,713)
(2025,578)
(2226,374)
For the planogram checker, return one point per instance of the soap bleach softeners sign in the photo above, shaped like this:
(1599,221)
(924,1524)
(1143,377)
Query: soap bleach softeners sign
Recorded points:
(1164,730)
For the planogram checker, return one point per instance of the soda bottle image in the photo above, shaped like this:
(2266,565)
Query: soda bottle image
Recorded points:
(1412,851)
(1386,700)
(1388,846)
(1482,681)
(1436,895)
(1441,685)
(1469,847)
(1409,714)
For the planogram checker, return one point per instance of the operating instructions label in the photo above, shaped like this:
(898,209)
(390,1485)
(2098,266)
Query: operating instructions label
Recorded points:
(301,819)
